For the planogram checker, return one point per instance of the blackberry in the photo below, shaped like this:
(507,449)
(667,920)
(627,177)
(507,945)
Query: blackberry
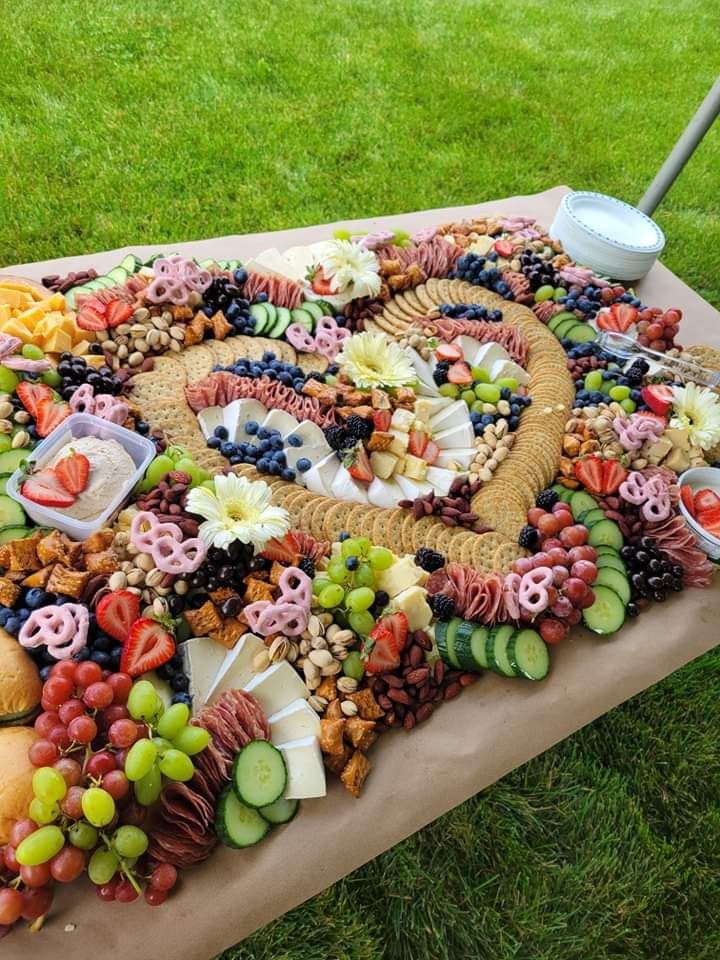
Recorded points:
(528,537)
(359,428)
(546,499)
(440,373)
(429,560)
(442,606)
(307,565)
(337,437)
(637,371)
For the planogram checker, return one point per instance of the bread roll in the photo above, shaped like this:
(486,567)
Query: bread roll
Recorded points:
(15,776)
(20,684)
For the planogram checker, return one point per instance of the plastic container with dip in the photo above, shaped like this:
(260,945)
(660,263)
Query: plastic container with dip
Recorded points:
(139,449)
(702,478)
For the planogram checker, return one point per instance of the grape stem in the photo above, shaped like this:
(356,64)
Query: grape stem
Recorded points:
(124,869)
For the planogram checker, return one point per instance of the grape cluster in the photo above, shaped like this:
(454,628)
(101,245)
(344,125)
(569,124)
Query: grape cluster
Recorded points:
(470,311)
(653,574)
(227,296)
(347,586)
(482,272)
(657,329)
(75,371)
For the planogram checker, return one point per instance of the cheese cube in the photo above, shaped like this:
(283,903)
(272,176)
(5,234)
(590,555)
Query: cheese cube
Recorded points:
(293,722)
(402,420)
(398,444)
(236,668)
(423,410)
(383,464)
(305,769)
(277,687)
(414,467)
(414,605)
(401,575)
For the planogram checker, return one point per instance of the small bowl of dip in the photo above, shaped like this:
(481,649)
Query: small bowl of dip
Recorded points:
(118,460)
(701,478)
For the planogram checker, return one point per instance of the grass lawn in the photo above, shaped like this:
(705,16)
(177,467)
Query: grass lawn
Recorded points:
(157,122)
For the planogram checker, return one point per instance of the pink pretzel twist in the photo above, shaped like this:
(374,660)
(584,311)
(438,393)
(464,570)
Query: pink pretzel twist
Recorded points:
(63,630)
(164,542)
(266,618)
(511,595)
(533,594)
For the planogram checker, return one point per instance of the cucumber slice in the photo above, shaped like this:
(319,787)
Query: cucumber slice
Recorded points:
(105,282)
(284,318)
(327,308)
(616,580)
(605,532)
(94,285)
(607,614)
(603,549)
(148,263)
(611,563)
(496,649)
(558,488)
(258,311)
(314,309)
(132,263)
(205,264)
(445,635)
(9,533)
(581,502)
(562,328)
(271,311)
(282,811)
(463,645)
(71,294)
(581,333)
(566,495)
(4,477)
(478,642)
(259,774)
(560,317)
(306,319)
(12,459)
(234,264)
(11,513)
(119,274)
(236,825)
(589,517)
(528,654)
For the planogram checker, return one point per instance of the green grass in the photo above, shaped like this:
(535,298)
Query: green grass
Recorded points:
(149,122)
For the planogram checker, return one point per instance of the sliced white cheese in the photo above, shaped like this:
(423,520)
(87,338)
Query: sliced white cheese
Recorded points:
(469,347)
(209,418)
(488,354)
(281,421)
(453,416)
(461,457)
(412,489)
(441,479)
(305,769)
(277,687)
(345,487)
(402,420)
(293,722)
(461,436)
(310,434)
(401,575)
(320,477)
(312,453)
(203,659)
(424,370)
(236,667)
(384,493)
(240,412)
(508,368)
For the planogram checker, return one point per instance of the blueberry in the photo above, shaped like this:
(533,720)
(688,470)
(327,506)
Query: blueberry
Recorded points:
(263,465)
(382,599)
(182,698)
(263,433)
(251,427)
(288,474)
(103,642)
(352,563)
(514,409)
(264,446)
(100,657)
(12,625)
(142,426)
(23,613)
(268,357)
(240,276)
(261,298)
(505,393)
(214,443)
(45,672)
(303,465)
(343,535)
(298,385)
(235,459)
(180,682)
(227,448)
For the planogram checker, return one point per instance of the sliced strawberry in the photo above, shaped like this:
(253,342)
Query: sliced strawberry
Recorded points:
(117,612)
(503,248)
(73,472)
(286,550)
(686,495)
(705,500)
(431,452)
(148,646)
(607,321)
(320,285)
(398,623)
(417,441)
(613,474)
(381,419)
(358,464)
(625,315)
(459,373)
(31,394)
(50,415)
(590,474)
(658,397)
(711,516)
(118,312)
(712,528)
(45,488)
(91,315)
(449,351)
(383,650)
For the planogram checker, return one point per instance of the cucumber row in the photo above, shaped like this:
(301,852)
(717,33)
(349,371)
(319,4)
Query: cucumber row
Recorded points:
(272,321)
(567,326)
(511,653)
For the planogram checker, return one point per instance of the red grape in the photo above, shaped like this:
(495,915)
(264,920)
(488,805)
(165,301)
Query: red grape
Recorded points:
(59,736)
(36,903)
(11,904)
(70,769)
(559,507)
(43,753)
(123,733)
(120,758)
(574,536)
(71,803)
(584,570)
(574,617)
(87,672)
(71,709)
(588,600)
(558,556)
(585,552)
(553,631)
(35,876)
(106,891)
(21,829)
(116,784)
(121,684)
(562,608)
(10,859)
(551,543)
(574,589)
(564,519)
(163,877)
(541,559)
(534,515)
(523,565)
(100,764)
(68,864)
(125,892)
(549,524)
(155,897)
(83,729)
(45,722)
(116,711)
(63,668)
(98,695)
(560,575)
(57,690)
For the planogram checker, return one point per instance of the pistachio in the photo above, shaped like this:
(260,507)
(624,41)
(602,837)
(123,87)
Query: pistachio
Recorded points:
(347,684)
(159,607)
(118,581)
(321,658)
(6,409)
(278,649)
(135,577)
(145,562)
(318,643)
(154,578)
(135,359)
(21,439)
(6,426)
(177,333)
(317,703)
(349,708)
(331,669)
(314,627)
(504,408)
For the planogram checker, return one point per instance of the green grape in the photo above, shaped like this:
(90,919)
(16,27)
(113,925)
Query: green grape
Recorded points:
(40,846)
(8,380)
(319,583)
(159,709)
(509,383)
(5,442)
(98,806)
(468,396)
(176,765)
(208,485)
(102,866)
(349,548)
(559,293)
(130,841)
(545,292)
(148,789)
(619,393)
(628,405)
(173,720)
(480,375)
(42,812)
(83,836)
(337,571)
(191,740)
(477,407)
(361,621)
(353,665)
(593,380)
(48,784)
(362,598)
(140,758)
(52,378)
(161,744)
(176,452)
(449,390)
(185,465)
(364,577)
(32,352)
(144,486)
(332,596)
(158,468)
(142,700)
(363,546)
(381,558)
(487,392)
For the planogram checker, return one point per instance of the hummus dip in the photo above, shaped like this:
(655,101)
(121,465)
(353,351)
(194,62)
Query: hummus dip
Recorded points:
(110,469)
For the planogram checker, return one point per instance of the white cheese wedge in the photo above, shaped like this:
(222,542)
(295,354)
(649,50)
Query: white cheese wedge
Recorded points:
(488,354)
(460,457)
(345,487)
(240,412)
(209,418)
(469,347)
(312,453)
(401,575)
(462,436)
(411,488)
(441,479)
(384,493)
(453,416)
(203,659)
(423,368)
(277,687)
(293,722)
(413,603)
(310,434)
(320,477)
(236,668)
(305,769)
(508,368)
(281,421)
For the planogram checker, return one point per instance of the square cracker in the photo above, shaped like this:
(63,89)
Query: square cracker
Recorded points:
(198,362)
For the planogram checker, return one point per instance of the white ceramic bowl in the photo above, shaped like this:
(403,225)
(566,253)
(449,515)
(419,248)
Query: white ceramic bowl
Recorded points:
(702,478)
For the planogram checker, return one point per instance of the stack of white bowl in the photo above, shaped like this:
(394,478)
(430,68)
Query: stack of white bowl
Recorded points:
(607,235)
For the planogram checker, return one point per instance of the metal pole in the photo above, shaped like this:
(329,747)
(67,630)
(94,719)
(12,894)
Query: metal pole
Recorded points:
(704,118)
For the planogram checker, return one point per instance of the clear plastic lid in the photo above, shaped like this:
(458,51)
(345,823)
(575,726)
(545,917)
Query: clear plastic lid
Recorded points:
(626,348)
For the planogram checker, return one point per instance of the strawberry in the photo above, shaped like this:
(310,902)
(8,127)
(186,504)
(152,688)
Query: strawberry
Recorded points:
(613,474)
(118,312)
(320,285)
(358,464)
(286,550)
(590,474)
(31,394)
(658,397)
(711,527)
(607,321)
(459,373)
(449,351)
(431,452)
(117,612)
(398,623)
(417,442)
(686,495)
(50,415)
(73,472)
(381,420)
(625,316)
(711,516)
(503,248)
(148,646)
(382,648)
(45,488)
(705,500)
(91,315)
